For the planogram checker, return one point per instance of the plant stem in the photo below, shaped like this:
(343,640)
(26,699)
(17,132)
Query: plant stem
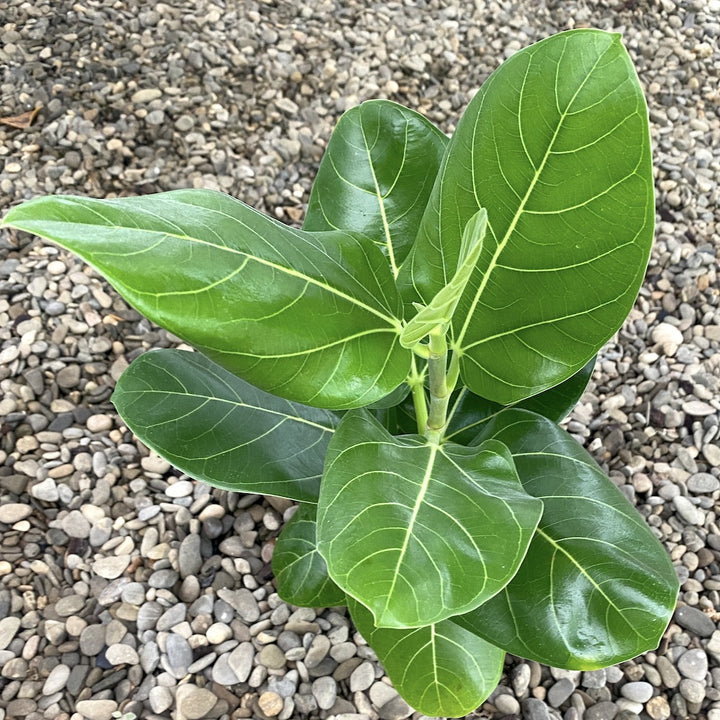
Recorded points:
(439,388)
(417,386)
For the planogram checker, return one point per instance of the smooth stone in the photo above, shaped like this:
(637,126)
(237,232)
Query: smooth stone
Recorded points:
(149,657)
(10,513)
(56,680)
(148,616)
(669,674)
(46,490)
(506,704)
(76,525)
(560,692)
(161,698)
(272,657)
(698,408)
(111,567)
(657,708)
(99,423)
(241,661)
(694,620)
(692,690)
(69,605)
(363,676)
(122,654)
(687,511)
(92,640)
(668,337)
(324,690)
(179,489)
(218,633)
(604,710)
(193,702)
(703,483)
(534,709)
(163,579)
(639,692)
(146,95)
(96,709)
(693,664)
(317,651)
(244,603)
(270,703)
(8,629)
(189,556)
(222,673)
(172,617)
(179,655)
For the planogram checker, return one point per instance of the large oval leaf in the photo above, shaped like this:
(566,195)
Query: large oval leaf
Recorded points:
(299,568)
(441,670)
(308,316)
(376,176)
(556,146)
(219,429)
(596,586)
(419,532)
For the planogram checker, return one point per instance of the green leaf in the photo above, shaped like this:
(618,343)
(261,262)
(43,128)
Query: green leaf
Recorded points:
(308,316)
(556,146)
(301,573)
(440,310)
(596,587)
(217,428)
(376,176)
(419,532)
(440,670)
(469,412)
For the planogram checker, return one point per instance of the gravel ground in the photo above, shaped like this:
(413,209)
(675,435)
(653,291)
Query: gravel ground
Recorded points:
(124,586)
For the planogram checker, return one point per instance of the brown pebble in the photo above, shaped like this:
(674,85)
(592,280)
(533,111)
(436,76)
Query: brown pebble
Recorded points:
(270,703)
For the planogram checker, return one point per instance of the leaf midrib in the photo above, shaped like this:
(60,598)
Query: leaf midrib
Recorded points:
(392,321)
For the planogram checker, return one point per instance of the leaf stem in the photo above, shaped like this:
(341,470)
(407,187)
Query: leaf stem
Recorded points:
(416,381)
(440,390)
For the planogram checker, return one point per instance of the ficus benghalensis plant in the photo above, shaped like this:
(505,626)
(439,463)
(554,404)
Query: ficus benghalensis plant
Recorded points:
(399,366)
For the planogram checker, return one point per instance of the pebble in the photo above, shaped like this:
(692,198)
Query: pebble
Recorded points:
(271,704)
(694,620)
(111,567)
(121,654)
(160,698)
(604,710)
(96,709)
(362,677)
(8,628)
(241,659)
(189,556)
(560,692)
(324,690)
(703,483)
(11,513)
(179,655)
(687,511)
(194,702)
(639,692)
(693,664)
(271,656)
(56,680)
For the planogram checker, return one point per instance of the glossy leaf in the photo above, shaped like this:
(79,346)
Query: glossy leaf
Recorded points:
(596,586)
(440,310)
(419,532)
(376,176)
(299,568)
(219,429)
(308,316)
(440,670)
(556,146)
(469,412)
